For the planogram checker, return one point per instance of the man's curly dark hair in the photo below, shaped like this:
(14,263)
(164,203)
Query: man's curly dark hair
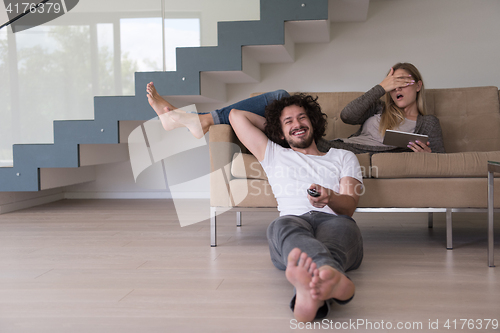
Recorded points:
(273,128)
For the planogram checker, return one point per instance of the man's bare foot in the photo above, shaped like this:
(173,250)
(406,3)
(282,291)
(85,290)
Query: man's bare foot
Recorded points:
(327,282)
(299,272)
(158,103)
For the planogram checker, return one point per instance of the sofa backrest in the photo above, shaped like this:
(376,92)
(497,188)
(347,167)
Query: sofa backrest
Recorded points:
(332,104)
(469,117)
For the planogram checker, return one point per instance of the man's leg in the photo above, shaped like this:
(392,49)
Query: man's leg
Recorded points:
(289,232)
(292,238)
(299,272)
(342,237)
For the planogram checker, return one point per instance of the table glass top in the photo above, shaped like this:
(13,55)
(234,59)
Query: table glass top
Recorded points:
(493,166)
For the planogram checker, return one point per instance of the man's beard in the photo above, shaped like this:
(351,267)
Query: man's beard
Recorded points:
(300,143)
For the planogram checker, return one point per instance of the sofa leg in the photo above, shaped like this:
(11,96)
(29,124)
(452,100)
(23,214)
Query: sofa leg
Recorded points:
(449,230)
(430,220)
(213,228)
(238,219)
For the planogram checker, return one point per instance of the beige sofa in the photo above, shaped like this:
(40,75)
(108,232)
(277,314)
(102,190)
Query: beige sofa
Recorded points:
(402,182)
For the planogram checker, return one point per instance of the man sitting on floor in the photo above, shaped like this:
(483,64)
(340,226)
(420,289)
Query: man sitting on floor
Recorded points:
(315,239)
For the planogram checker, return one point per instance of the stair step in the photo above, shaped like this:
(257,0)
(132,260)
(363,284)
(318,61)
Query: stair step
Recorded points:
(126,127)
(61,155)
(267,54)
(309,31)
(85,131)
(113,108)
(243,33)
(58,177)
(20,178)
(250,72)
(348,11)
(103,154)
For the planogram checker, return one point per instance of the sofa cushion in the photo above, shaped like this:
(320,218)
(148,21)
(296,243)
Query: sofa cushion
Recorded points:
(469,117)
(252,193)
(416,165)
(247,166)
(427,192)
(364,163)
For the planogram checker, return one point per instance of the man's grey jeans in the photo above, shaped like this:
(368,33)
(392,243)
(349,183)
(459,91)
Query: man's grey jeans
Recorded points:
(333,240)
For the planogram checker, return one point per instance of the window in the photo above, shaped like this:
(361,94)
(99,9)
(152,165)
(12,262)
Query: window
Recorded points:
(53,71)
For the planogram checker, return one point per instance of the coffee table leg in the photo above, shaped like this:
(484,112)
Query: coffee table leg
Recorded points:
(490,220)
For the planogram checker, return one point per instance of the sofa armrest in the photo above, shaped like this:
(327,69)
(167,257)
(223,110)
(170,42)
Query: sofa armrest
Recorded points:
(223,144)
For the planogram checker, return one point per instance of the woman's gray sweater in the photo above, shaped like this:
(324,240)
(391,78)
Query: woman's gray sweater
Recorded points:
(366,106)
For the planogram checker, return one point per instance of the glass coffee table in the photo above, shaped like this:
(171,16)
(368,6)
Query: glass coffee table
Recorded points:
(492,168)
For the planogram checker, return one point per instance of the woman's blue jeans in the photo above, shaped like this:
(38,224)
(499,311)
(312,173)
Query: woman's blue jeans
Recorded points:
(256,104)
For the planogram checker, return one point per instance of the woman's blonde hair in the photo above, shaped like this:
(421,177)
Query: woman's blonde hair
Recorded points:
(392,115)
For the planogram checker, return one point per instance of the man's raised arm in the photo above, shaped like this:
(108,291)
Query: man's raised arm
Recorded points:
(249,129)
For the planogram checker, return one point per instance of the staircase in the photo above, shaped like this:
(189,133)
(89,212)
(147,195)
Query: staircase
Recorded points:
(201,77)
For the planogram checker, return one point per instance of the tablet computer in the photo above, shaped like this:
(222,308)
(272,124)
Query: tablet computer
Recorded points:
(402,139)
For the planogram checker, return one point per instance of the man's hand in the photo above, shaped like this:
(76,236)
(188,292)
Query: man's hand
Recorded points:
(323,198)
(342,203)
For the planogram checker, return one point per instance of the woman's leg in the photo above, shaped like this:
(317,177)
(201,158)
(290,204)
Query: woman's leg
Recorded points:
(199,124)
(256,104)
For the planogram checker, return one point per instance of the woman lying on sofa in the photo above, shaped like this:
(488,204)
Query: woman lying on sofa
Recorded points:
(403,110)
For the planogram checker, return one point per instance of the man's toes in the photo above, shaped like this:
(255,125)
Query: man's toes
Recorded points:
(312,268)
(308,263)
(293,257)
(302,259)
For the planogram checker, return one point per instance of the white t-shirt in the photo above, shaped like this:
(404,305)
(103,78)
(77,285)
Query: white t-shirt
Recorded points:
(291,173)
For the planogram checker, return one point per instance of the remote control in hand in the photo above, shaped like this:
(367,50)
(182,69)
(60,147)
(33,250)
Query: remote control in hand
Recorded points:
(313,192)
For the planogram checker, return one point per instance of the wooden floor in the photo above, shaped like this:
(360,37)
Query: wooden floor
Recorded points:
(127,266)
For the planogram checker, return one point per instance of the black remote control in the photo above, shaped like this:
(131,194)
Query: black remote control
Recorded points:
(313,192)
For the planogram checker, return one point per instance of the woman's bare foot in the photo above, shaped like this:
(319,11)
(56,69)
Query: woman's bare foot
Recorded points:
(190,120)
(161,107)
(158,103)
(299,272)
(327,282)
(171,117)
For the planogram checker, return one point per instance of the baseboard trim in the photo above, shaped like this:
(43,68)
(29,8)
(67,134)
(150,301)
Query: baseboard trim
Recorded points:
(28,203)
(136,195)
